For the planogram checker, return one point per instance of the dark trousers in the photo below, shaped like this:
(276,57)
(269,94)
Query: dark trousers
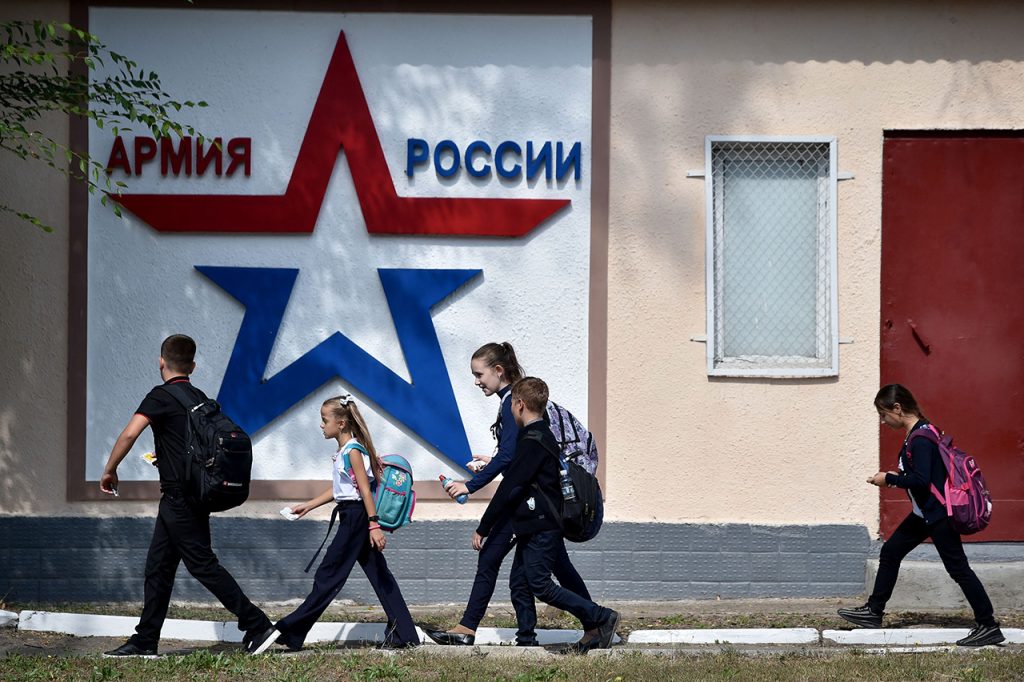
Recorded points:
(351,544)
(911,533)
(499,543)
(183,534)
(531,577)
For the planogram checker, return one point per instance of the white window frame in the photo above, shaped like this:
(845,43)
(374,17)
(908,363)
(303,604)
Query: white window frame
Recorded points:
(734,370)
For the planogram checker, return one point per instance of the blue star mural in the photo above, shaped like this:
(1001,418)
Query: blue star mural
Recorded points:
(426,405)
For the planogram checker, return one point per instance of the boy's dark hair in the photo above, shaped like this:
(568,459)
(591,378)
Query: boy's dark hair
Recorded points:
(533,392)
(178,352)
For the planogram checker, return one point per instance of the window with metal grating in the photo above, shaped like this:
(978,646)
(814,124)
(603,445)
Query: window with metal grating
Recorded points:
(771,261)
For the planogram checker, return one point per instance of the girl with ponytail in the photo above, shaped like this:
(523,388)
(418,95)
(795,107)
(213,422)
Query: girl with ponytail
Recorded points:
(359,537)
(921,471)
(495,368)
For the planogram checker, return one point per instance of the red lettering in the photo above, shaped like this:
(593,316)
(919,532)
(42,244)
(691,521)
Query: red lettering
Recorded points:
(240,151)
(176,159)
(119,157)
(203,159)
(145,151)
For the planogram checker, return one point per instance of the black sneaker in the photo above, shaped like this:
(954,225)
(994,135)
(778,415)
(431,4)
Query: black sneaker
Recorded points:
(606,631)
(862,616)
(130,650)
(983,635)
(261,642)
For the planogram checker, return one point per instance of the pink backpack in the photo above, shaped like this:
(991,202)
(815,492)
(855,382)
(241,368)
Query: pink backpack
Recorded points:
(967,500)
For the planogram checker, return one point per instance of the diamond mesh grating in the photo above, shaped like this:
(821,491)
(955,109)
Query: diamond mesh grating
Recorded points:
(772,262)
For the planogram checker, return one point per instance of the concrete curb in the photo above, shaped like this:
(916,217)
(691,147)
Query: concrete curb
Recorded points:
(92,625)
(910,636)
(8,619)
(727,636)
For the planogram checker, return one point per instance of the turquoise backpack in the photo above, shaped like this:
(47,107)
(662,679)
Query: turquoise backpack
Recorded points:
(393,495)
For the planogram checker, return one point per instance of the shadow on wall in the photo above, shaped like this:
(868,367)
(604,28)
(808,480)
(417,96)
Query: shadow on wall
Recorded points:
(765,33)
(17,473)
(721,51)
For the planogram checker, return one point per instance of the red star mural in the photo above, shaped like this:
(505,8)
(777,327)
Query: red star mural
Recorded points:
(341,120)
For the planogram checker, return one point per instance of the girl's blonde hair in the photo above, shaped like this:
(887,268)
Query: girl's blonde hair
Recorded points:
(344,407)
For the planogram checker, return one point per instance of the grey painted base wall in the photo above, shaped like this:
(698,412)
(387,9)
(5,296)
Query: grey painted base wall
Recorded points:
(102,559)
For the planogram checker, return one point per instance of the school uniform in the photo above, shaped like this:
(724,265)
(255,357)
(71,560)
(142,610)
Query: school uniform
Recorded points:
(351,544)
(501,539)
(921,466)
(529,482)
(182,533)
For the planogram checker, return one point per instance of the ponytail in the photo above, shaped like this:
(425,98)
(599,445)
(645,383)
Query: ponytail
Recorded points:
(495,354)
(344,407)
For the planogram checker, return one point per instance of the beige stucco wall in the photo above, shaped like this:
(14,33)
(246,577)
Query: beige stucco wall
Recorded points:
(755,450)
(33,317)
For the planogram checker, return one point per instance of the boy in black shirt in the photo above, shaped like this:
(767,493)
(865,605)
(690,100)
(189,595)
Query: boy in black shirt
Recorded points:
(529,482)
(182,533)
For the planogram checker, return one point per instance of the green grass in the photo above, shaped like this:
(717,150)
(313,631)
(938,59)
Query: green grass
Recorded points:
(365,665)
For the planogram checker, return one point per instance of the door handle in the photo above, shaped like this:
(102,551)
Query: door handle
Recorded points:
(921,341)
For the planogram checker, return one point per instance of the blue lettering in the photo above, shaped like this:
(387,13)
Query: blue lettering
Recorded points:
(556,161)
(442,147)
(472,149)
(417,153)
(564,162)
(533,163)
(499,159)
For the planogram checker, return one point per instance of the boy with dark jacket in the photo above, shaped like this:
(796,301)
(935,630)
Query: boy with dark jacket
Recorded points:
(182,533)
(529,487)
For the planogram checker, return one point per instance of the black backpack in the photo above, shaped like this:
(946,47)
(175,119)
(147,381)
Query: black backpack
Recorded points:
(218,454)
(581,519)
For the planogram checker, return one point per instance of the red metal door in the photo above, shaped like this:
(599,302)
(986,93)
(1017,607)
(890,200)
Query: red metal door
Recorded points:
(953,304)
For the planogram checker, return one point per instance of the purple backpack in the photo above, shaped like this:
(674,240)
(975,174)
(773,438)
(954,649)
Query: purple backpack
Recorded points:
(967,500)
(576,442)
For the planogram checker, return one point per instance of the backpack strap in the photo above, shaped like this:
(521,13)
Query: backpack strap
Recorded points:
(346,460)
(188,404)
(572,422)
(533,435)
(931,433)
(334,517)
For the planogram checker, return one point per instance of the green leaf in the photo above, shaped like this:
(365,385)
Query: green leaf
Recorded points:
(131,93)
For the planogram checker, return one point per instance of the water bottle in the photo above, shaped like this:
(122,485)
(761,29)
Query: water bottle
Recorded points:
(445,482)
(568,489)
